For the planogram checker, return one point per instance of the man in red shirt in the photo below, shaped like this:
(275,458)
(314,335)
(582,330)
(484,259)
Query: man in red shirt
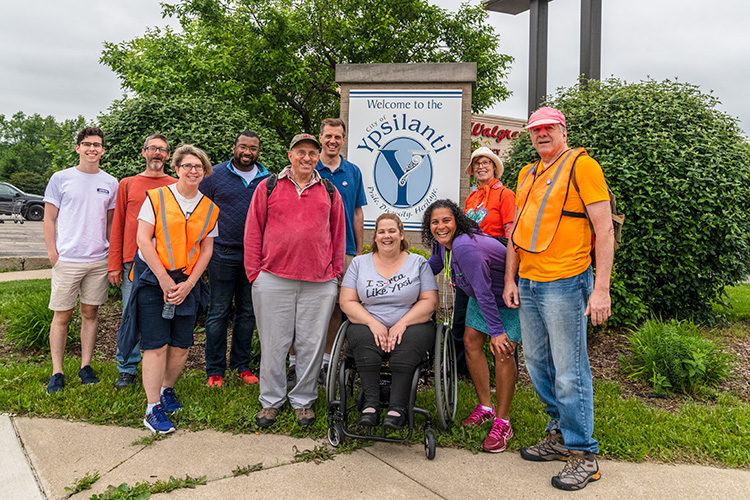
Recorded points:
(295,240)
(131,194)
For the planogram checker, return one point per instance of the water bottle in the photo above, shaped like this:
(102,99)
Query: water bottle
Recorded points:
(168,311)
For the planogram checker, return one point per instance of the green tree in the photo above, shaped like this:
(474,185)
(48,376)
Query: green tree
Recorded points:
(29,182)
(22,144)
(681,173)
(207,122)
(277,58)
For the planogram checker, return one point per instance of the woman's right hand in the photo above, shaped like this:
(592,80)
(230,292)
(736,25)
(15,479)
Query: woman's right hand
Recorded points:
(167,285)
(380,332)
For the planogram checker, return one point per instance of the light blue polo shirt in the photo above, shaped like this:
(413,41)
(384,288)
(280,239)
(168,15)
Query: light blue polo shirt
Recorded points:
(348,181)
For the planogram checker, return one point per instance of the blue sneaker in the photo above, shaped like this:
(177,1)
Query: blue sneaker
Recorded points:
(157,421)
(169,401)
(56,383)
(87,376)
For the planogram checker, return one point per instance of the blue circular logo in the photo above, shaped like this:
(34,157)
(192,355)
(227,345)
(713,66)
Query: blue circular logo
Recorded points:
(403,172)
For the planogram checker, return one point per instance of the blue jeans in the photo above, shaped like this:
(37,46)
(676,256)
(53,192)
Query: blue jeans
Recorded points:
(127,363)
(227,279)
(553,328)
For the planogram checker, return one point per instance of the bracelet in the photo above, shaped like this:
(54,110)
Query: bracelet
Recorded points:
(191,282)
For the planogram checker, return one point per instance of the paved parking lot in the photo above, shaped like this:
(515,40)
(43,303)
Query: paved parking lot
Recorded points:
(22,246)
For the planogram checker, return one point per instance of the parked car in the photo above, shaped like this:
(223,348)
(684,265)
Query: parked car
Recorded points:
(32,207)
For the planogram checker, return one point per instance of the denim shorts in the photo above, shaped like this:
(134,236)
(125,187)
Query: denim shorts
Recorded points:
(156,332)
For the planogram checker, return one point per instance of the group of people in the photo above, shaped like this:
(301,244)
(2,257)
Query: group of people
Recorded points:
(276,248)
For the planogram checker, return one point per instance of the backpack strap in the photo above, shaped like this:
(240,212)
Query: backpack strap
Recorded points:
(274,179)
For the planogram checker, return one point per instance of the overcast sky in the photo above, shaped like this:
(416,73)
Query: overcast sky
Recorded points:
(49,50)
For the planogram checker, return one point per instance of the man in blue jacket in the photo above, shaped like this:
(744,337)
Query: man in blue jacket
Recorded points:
(231,187)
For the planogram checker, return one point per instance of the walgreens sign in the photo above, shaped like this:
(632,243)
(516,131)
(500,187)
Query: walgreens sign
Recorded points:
(495,132)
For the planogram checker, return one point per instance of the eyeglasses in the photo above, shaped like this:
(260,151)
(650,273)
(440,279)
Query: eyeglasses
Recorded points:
(154,149)
(95,145)
(312,154)
(242,148)
(197,168)
(484,163)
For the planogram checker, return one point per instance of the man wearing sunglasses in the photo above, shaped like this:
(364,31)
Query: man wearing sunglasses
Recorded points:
(131,194)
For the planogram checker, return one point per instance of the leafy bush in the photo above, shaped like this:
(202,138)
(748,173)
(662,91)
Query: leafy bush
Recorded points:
(210,123)
(680,171)
(29,324)
(673,356)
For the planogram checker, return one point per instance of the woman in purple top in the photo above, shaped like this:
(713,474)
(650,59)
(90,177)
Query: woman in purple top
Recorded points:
(476,263)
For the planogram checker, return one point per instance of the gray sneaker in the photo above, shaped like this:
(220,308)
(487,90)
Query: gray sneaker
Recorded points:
(124,379)
(305,416)
(580,468)
(291,377)
(552,447)
(266,417)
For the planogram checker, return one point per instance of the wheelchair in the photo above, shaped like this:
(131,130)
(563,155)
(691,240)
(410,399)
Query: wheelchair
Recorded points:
(345,401)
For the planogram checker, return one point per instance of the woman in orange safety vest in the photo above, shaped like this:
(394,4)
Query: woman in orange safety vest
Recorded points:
(176,229)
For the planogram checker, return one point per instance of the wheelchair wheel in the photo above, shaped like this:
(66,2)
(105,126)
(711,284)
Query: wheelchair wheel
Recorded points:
(337,354)
(446,376)
(429,443)
(335,434)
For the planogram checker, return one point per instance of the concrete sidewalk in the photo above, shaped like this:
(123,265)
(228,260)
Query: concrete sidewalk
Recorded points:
(37,274)
(45,455)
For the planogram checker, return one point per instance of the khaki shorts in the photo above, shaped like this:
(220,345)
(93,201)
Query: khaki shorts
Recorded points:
(69,278)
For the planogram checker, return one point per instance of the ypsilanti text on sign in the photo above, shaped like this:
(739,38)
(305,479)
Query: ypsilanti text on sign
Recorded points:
(406,142)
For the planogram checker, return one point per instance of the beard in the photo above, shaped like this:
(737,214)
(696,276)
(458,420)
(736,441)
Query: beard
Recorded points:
(155,164)
(243,162)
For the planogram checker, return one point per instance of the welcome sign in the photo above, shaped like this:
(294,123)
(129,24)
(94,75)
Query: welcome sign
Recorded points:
(408,145)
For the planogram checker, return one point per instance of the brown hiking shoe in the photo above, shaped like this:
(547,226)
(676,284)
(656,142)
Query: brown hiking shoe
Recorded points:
(580,468)
(552,447)
(266,417)
(305,416)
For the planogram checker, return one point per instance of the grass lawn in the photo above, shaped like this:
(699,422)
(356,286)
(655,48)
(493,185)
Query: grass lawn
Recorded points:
(715,432)
(738,299)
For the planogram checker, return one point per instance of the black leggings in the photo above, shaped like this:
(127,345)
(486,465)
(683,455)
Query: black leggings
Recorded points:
(404,358)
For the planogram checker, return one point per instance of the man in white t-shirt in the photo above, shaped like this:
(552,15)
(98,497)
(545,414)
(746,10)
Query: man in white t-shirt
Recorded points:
(79,203)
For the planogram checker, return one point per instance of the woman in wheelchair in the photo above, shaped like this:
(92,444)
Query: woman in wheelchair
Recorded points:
(389,297)
(476,263)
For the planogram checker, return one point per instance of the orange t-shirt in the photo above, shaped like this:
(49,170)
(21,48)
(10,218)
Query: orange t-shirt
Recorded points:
(569,252)
(492,206)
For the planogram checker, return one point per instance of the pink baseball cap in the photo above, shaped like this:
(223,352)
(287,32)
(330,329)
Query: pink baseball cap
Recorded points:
(546,116)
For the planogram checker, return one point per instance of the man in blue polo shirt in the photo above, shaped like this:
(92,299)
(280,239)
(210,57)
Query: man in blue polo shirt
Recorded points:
(231,187)
(347,178)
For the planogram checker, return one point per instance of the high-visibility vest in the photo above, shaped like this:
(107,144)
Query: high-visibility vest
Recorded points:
(540,199)
(178,239)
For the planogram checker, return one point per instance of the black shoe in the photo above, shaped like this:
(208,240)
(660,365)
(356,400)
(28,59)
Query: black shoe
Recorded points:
(291,377)
(86,374)
(323,375)
(368,419)
(124,380)
(395,422)
(56,383)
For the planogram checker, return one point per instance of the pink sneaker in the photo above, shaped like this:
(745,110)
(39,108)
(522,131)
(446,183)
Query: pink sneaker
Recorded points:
(479,416)
(497,439)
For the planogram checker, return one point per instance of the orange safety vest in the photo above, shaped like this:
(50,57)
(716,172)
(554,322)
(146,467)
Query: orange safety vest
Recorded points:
(544,195)
(178,239)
